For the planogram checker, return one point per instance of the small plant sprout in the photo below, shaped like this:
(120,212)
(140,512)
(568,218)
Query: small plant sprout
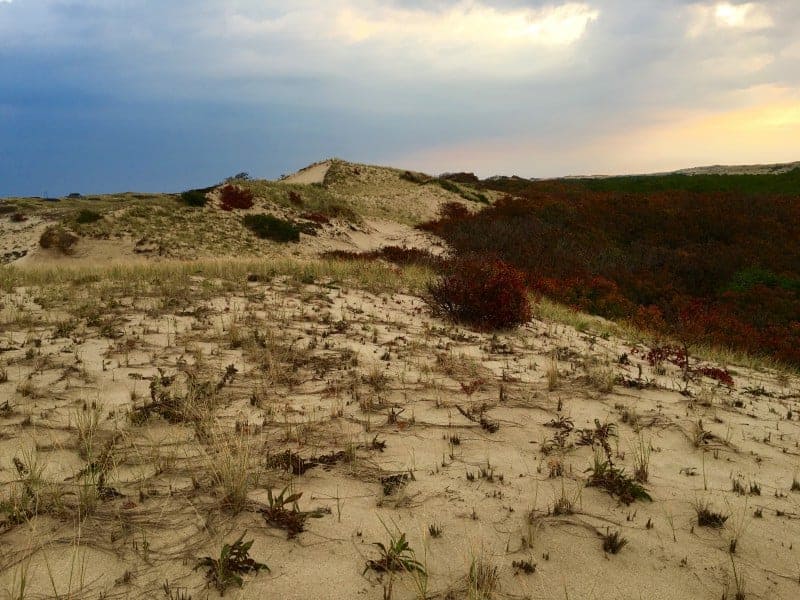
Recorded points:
(709,517)
(613,542)
(395,556)
(641,450)
(291,519)
(435,530)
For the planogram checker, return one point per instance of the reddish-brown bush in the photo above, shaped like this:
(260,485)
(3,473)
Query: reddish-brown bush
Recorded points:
(483,292)
(714,266)
(18,217)
(295,199)
(721,375)
(232,197)
(316,217)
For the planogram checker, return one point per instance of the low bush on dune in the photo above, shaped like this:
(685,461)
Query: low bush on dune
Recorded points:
(234,197)
(418,178)
(272,228)
(57,238)
(483,292)
(316,217)
(467,194)
(195,198)
(86,216)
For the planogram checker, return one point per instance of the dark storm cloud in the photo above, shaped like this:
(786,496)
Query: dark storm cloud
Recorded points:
(110,94)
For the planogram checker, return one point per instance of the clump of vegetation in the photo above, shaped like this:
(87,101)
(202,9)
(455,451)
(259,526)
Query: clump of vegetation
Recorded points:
(86,216)
(486,293)
(241,176)
(196,198)
(58,238)
(418,178)
(524,566)
(316,217)
(397,555)
(18,217)
(603,472)
(454,188)
(272,228)
(613,542)
(399,255)
(234,561)
(27,500)
(233,197)
(484,579)
(616,482)
(641,459)
(708,517)
(278,515)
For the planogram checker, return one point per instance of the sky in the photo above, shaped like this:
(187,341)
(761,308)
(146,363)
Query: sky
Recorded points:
(147,95)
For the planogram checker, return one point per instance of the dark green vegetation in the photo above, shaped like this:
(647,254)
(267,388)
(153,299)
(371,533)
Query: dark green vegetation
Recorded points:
(397,555)
(87,216)
(195,198)
(707,260)
(272,228)
(783,183)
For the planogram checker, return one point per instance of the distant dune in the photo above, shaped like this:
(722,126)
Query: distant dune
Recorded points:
(765,169)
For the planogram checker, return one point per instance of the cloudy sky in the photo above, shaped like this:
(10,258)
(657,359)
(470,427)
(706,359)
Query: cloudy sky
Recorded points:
(110,95)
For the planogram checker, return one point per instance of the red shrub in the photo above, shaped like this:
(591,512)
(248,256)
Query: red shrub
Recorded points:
(483,292)
(672,354)
(295,199)
(449,213)
(721,375)
(232,197)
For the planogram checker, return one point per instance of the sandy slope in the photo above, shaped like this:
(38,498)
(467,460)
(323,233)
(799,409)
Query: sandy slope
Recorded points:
(311,174)
(338,370)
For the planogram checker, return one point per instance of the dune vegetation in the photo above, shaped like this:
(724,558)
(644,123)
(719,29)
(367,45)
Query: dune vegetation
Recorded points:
(399,391)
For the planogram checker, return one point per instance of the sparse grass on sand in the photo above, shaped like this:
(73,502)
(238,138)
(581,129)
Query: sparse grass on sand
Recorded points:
(372,276)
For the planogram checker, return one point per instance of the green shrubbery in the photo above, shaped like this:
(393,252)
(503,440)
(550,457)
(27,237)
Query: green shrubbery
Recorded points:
(86,216)
(195,198)
(272,228)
